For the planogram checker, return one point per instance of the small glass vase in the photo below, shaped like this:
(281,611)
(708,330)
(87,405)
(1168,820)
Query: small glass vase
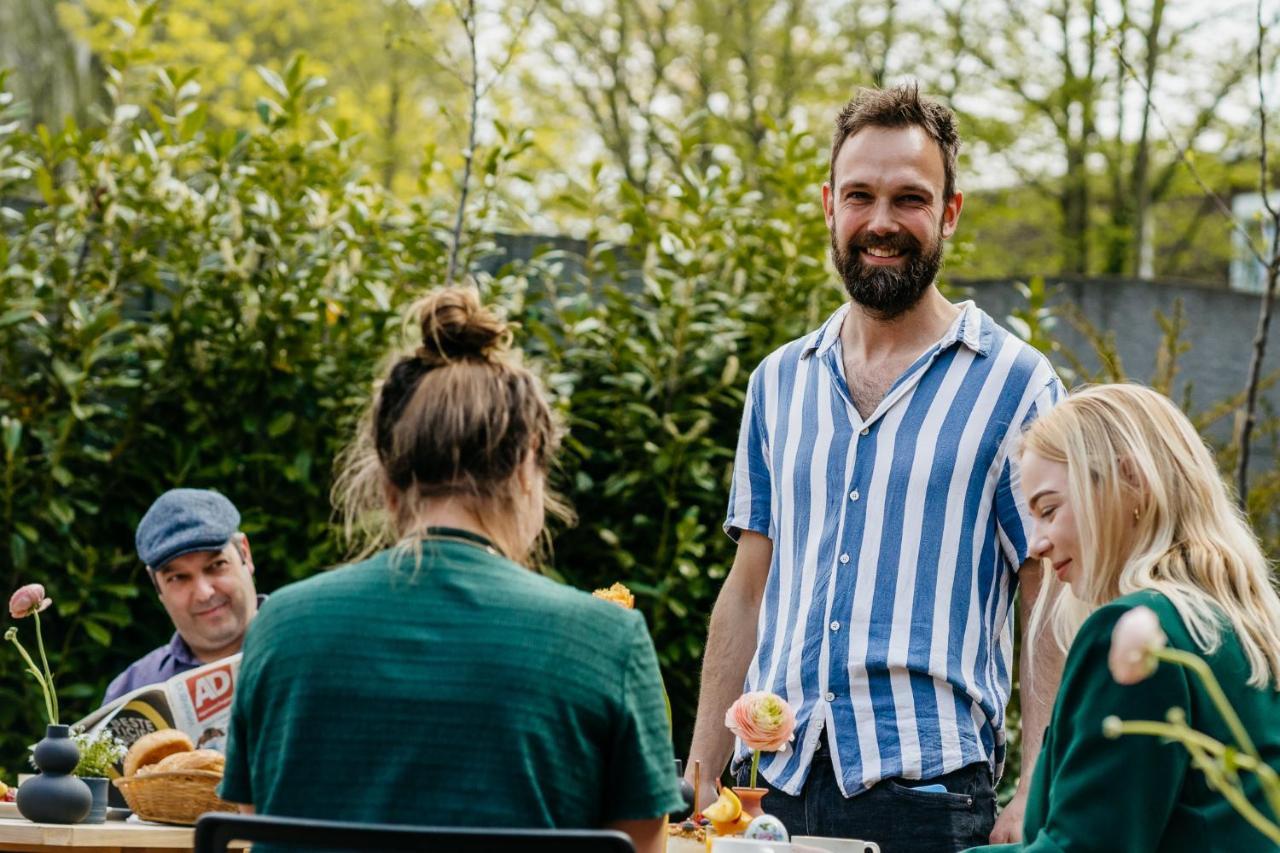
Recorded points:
(53,795)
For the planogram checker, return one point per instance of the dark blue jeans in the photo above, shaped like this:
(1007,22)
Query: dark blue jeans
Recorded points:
(890,813)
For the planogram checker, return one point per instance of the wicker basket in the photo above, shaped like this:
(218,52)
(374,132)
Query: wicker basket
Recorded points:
(178,796)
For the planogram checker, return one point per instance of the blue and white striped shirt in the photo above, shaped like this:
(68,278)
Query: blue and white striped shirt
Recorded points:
(896,543)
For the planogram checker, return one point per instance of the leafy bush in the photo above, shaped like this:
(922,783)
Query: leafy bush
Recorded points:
(649,349)
(181,305)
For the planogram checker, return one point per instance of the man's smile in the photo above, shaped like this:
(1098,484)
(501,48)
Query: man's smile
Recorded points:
(879,257)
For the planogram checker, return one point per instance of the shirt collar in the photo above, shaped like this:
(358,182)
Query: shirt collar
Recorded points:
(967,329)
(181,652)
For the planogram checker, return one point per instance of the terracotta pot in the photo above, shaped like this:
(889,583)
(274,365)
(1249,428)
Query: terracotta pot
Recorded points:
(751,798)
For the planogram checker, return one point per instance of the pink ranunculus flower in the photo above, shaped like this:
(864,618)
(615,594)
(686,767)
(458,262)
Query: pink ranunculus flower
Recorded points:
(28,600)
(1134,641)
(764,721)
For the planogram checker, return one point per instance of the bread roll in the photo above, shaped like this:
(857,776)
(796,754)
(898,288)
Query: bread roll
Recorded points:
(200,759)
(152,748)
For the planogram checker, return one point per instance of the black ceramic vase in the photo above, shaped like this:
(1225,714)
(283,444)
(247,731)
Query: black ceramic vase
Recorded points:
(53,795)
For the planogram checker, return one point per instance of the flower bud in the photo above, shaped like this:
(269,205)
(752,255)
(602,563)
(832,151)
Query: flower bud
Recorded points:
(28,600)
(1136,638)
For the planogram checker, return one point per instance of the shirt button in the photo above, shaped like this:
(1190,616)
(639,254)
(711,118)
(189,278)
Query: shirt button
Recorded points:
(830,697)
(844,558)
(866,430)
(853,496)
(835,626)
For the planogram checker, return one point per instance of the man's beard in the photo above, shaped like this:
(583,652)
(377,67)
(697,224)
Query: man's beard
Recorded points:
(884,291)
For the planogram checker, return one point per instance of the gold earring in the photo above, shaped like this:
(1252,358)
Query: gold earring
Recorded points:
(1135,513)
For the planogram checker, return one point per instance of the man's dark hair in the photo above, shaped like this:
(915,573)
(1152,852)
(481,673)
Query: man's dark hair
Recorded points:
(901,106)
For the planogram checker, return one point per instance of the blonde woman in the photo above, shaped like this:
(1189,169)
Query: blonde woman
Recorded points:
(440,681)
(1130,510)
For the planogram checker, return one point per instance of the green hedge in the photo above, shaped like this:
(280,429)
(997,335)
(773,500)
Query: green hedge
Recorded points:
(179,306)
(182,304)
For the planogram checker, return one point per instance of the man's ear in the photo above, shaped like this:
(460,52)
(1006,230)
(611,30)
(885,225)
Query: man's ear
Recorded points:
(951,214)
(245,553)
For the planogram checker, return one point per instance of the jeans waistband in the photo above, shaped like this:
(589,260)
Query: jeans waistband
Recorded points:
(976,774)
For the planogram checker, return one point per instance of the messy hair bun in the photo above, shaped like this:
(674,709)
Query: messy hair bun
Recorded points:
(457,418)
(456,326)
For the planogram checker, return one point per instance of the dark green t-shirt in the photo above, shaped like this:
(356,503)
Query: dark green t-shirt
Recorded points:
(1140,794)
(466,691)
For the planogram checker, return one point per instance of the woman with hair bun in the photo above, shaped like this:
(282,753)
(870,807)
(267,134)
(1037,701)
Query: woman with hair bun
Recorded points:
(1130,512)
(440,681)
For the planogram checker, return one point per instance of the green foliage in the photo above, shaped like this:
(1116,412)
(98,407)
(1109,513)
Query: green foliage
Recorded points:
(180,306)
(648,350)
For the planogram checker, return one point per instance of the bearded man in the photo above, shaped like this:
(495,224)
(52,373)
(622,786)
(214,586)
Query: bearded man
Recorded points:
(881,528)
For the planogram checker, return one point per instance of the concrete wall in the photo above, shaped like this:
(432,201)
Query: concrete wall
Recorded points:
(1218,327)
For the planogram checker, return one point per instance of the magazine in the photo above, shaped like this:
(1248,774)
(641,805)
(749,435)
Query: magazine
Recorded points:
(198,702)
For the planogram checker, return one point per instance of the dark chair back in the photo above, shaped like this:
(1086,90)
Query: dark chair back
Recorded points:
(215,831)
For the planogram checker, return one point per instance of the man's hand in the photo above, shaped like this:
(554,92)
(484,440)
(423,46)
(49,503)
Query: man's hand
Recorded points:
(1008,828)
(706,796)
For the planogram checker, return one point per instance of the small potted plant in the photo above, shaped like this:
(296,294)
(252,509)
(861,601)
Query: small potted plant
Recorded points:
(99,752)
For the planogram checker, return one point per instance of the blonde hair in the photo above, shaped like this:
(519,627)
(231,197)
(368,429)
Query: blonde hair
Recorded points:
(454,418)
(1129,450)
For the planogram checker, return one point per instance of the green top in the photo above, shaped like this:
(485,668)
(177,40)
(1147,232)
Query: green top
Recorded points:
(468,691)
(1139,793)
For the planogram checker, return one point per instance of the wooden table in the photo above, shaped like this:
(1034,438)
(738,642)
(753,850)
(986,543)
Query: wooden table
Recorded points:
(114,836)
(117,836)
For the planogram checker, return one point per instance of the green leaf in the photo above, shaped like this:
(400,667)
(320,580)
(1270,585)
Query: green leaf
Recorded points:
(97,633)
(16,315)
(273,80)
(61,512)
(79,690)
(44,183)
(12,434)
(280,424)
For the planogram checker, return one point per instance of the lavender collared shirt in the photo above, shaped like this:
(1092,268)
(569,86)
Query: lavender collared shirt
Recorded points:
(156,666)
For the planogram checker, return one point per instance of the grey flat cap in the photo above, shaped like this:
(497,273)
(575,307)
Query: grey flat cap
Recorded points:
(182,521)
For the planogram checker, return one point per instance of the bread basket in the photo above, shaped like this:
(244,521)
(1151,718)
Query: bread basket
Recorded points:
(176,796)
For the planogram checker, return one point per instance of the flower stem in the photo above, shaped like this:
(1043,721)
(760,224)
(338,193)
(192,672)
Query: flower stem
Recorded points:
(1198,744)
(48,676)
(35,673)
(1197,665)
(755,765)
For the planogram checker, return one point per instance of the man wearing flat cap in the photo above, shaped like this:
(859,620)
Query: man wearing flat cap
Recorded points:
(202,569)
